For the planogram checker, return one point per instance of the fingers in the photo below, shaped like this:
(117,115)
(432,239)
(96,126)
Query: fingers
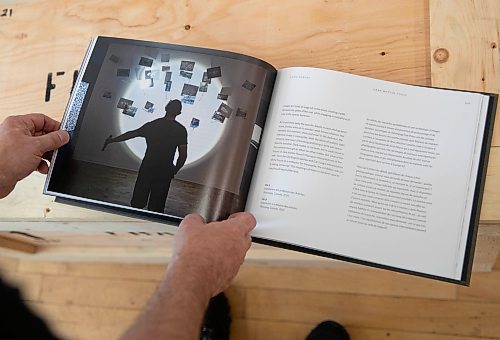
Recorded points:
(52,140)
(38,122)
(43,167)
(243,220)
(48,155)
(192,219)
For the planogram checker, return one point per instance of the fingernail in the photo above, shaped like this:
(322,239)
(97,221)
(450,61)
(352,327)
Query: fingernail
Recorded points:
(241,214)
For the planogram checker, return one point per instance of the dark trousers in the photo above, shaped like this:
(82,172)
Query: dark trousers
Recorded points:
(151,188)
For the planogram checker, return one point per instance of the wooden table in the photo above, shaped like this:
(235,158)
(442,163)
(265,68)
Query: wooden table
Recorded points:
(445,43)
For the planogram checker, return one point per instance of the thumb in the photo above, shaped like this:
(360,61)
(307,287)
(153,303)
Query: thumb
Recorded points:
(52,140)
(244,220)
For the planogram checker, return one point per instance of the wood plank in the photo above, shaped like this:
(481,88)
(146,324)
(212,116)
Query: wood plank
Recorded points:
(484,287)
(17,245)
(105,238)
(261,329)
(403,314)
(464,43)
(50,37)
(80,322)
(153,249)
(8,264)
(357,280)
(149,247)
(487,248)
(96,292)
(156,249)
(71,313)
(237,301)
(497,264)
(490,209)
(29,284)
(124,271)
(78,331)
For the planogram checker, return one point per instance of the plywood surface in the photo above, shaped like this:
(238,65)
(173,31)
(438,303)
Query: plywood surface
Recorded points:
(267,302)
(51,36)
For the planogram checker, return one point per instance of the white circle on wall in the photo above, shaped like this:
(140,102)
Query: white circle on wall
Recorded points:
(201,139)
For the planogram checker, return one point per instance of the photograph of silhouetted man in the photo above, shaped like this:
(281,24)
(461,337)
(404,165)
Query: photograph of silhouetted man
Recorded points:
(163,137)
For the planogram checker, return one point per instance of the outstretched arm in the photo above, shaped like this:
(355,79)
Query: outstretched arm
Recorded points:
(181,160)
(121,138)
(205,259)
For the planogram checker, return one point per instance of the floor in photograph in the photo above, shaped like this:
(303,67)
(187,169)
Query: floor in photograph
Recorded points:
(114,185)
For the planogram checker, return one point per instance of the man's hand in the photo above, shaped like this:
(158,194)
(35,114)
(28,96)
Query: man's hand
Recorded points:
(106,142)
(211,254)
(25,141)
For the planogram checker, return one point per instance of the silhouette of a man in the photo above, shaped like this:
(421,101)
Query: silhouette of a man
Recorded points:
(163,137)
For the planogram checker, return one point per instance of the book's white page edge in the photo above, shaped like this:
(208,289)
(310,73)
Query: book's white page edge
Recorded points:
(66,115)
(462,246)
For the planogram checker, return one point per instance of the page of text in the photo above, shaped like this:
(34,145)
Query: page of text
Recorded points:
(368,169)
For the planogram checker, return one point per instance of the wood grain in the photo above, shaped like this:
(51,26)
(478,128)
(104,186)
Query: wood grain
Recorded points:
(10,243)
(72,321)
(126,271)
(467,35)
(355,280)
(29,284)
(51,36)
(96,292)
(100,300)
(422,315)
(261,329)
(82,241)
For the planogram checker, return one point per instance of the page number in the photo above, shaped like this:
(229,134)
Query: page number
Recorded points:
(6,12)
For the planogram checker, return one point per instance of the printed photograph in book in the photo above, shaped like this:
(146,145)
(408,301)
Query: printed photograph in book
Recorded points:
(160,159)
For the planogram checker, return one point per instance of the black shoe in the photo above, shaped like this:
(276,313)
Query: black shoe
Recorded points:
(217,321)
(328,330)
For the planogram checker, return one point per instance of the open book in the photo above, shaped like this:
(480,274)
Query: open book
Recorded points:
(333,164)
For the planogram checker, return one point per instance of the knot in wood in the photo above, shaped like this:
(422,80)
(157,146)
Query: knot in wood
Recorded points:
(441,55)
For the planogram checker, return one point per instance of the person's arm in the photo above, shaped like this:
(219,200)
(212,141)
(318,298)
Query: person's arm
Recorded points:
(121,138)
(206,258)
(181,160)
(26,142)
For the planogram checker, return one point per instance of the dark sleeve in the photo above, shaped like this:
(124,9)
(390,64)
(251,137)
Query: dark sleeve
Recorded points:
(17,321)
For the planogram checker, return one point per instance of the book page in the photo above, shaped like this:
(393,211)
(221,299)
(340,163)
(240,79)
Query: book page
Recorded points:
(154,128)
(368,169)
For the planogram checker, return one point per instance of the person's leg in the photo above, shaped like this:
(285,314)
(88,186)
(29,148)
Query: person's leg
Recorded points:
(328,330)
(159,192)
(217,321)
(142,189)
